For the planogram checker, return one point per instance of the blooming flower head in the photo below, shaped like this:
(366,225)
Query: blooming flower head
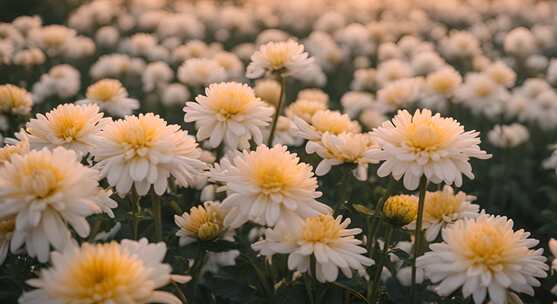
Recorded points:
(268,90)
(143,151)
(508,136)
(426,145)
(47,190)
(15,100)
(328,239)
(401,209)
(443,208)
(110,96)
(201,72)
(305,108)
(484,256)
(129,272)
(350,148)
(71,126)
(284,57)
(399,94)
(204,222)
(228,112)
(14,147)
(326,121)
(267,186)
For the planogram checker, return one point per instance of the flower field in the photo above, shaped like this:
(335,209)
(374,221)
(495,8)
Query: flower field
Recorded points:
(283,152)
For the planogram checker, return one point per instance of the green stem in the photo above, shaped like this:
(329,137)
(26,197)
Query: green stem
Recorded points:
(373,297)
(136,210)
(262,278)
(157,216)
(418,236)
(307,283)
(95,229)
(196,269)
(181,294)
(278,110)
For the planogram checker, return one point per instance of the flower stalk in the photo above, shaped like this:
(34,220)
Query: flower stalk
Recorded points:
(418,235)
(278,110)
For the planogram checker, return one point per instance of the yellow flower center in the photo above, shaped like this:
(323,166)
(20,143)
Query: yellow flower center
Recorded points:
(401,209)
(440,204)
(229,99)
(483,89)
(101,273)
(271,178)
(321,229)
(333,122)
(104,90)
(12,97)
(425,135)
(139,132)
(206,222)
(39,177)
(442,84)
(305,109)
(487,245)
(68,121)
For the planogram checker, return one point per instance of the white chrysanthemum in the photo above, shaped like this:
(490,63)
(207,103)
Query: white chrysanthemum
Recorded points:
(426,145)
(399,94)
(285,57)
(52,38)
(371,118)
(7,227)
(48,190)
(484,256)
(501,74)
(314,95)
(62,81)
(143,151)
(201,72)
(508,136)
(325,121)
(110,96)
(352,148)
(439,87)
(520,42)
(71,126)
(482,95)
(15,100)
(268,90)
(354,102)
(364,79)
(174,94)
(392,70)
(305,108)
(129,272)
(204,223)
(228,112)
(231,64)
(443,208)
(328,239)
(267,186)
(116,65)
(156,75)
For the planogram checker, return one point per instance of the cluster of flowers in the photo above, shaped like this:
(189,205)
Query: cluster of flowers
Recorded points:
(268,91)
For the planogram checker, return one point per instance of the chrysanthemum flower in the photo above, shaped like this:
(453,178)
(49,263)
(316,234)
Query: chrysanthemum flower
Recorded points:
(484,256)
(228,112)
(285,57)
(129,272)
(204,222)
(71,126)
(47,190)
(14,147)
(443,208)
(326,121)
(400,209)
(350,148)
(508,136)
(426,145)
(143,151)
(7,227)
(110,96)
(267,186)
(201,72)
(328,239)
(305,108)
(15,100)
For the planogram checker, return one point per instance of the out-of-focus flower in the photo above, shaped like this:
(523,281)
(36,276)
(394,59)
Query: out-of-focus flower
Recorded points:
(484,256)
(426,145)
(325,121)
(29,57)
(267,186)
(204,223)
(62,81)
(52,38)
(353,102)
(285,57)
(14,147)
(47,190)
(14,100)
(130,270)
(482,95)
(175,94)
(110,96)
(399,94)
(74,127)
(305,109)
(143,151)
(371,118)
(201,72)
(228,112)
(508,136)
(520,42)
(327,239)
(156,75)
(501,74)
(268,90)
(116,66)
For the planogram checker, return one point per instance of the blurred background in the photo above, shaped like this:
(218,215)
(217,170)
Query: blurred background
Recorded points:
(52,11)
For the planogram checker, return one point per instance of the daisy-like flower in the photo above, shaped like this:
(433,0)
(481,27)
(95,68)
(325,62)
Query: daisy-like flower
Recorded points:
(305,108)
(47,190)
(351,148)
(284,57)
(326,121)
(110,96)
(484,256)
(508,136)
(129,272)
(15,100)
(228,112)
(426,145)
(201,72)
(7,227)
(443,208)
(71,126)
(143,151)
(328,239)
(13,146)
(267,186)
(204,223)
